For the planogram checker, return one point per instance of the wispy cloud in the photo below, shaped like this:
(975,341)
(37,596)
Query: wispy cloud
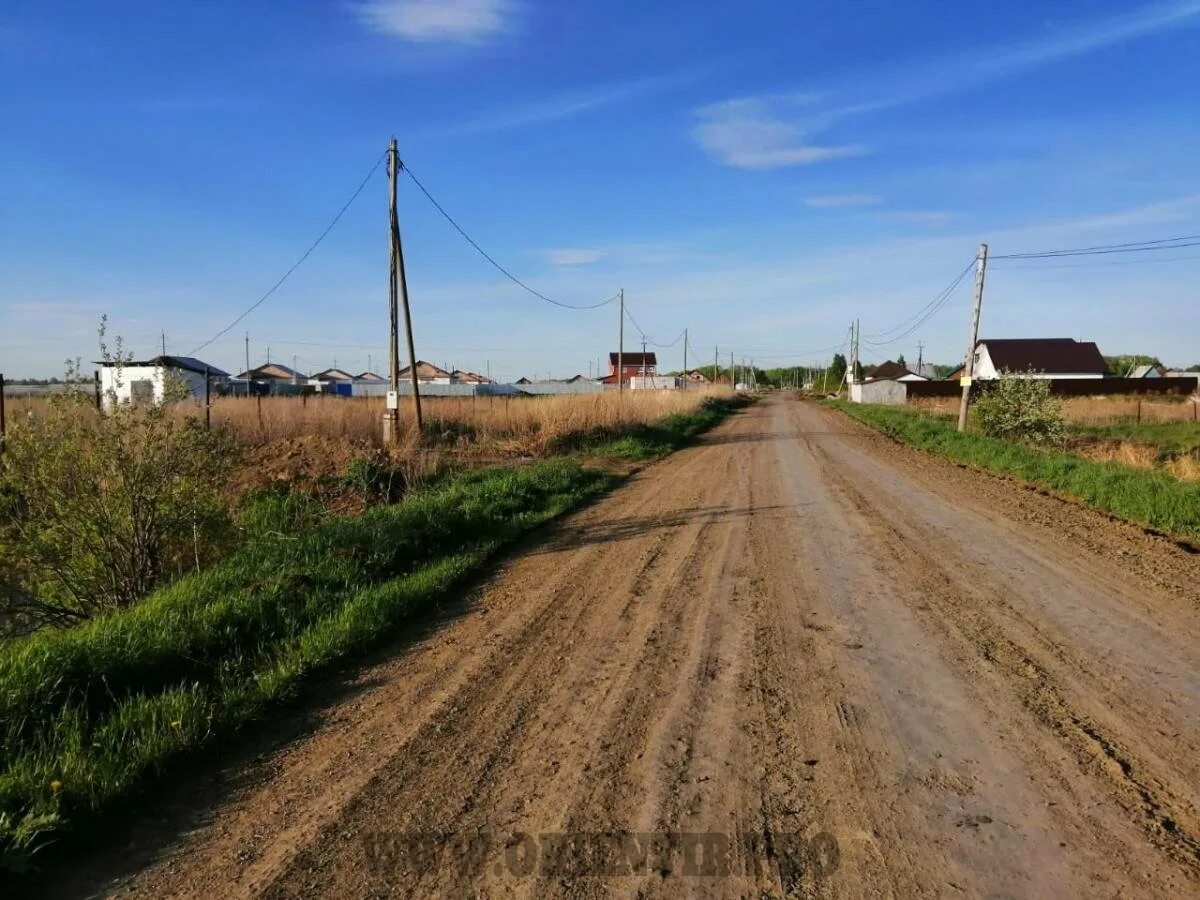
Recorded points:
(835,201)
(573,256)
(564,105)
(778,129)
(747,134)
(457,21)
(921,216)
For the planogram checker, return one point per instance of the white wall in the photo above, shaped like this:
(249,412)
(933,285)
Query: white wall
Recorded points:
(885,391)
(132,377)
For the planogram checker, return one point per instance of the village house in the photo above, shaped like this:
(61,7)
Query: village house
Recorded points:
(1038,358)
(273,372)
(633,365)
(143,382)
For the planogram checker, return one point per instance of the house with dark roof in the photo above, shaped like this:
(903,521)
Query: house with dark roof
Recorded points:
(1038,358)
(893,371)
(333,375)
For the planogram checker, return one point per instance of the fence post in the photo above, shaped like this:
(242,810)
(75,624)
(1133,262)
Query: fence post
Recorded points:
(207,400)
(3,421)
(96,382)
(1139,411)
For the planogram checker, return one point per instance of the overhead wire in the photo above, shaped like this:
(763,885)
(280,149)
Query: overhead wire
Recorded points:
(305,255)
(1175,243)
(507,274)
(923,315)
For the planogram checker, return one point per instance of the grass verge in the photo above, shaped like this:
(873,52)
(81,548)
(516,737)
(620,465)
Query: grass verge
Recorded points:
(91,716)
(1148,498)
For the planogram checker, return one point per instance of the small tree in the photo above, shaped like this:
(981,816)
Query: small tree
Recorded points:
(97,510)
(1019,408)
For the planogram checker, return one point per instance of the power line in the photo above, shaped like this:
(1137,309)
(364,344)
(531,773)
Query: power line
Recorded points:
(927,312)
(328,228)
(507,274)
(1175,243)
(1091,265)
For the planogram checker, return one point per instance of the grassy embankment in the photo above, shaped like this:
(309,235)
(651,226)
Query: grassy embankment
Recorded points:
(1147,497)
(90,716)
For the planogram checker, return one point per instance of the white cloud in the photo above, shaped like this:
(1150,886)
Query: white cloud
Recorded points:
(776,130)
(833,201)
(573,256)
(921,217)
(747,134)
(459,21)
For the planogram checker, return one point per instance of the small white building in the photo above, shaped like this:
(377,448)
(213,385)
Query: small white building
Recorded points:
(883,391)
(130,381)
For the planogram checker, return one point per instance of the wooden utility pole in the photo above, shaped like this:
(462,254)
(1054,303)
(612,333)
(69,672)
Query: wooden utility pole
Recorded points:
(685,359)
(207,398)
(621,344)
(247,364)
(969,367)
(398,293)
(716,363)
(3,423)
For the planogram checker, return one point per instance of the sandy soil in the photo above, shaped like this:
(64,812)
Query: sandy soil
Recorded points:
(795,658)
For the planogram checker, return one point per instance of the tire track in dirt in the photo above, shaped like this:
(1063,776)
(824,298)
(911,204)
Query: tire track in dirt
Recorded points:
(784,635)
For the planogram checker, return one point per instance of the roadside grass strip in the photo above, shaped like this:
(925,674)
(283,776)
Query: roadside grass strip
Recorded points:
(1145,497)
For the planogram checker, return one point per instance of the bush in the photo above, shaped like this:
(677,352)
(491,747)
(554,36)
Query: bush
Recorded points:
(1021,409)
(98,510)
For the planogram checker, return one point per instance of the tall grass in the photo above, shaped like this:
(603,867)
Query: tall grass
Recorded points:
(1091,410)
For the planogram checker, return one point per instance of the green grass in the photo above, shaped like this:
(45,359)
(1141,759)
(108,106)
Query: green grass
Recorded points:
(92,716)
(1149,498)
(1172,438)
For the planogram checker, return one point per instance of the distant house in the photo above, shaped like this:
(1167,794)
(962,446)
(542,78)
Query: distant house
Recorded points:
(1038,358)
(1150,371)
(695,376)
(370,378)
(333,375)
(427,373)
(146,381)
(462,377)
(892,371)
(272,372)
(633,365)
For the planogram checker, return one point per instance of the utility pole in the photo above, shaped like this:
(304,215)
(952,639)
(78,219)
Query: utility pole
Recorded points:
(716,363)
(976,308)
(398,293)
(164,343)
(920,357)
(247,364)
(732,372)
(295,371)
(685,359)
(621,345)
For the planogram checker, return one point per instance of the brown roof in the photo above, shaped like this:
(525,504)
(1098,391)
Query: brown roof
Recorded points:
(1049,355)
(888,369)
(426,370)
(634,359)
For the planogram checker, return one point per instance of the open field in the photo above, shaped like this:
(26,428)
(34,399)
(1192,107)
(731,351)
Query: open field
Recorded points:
(531,426)
(1093,410)
(857,668)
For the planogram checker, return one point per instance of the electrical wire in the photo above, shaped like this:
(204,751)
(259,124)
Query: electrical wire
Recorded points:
(1175,243)
(328,228)
(923,315)
(505,272)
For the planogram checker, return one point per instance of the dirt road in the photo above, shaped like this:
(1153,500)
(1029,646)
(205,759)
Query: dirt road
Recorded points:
(841,667)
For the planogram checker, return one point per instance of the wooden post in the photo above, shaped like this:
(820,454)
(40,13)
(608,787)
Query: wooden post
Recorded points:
(96,386)
(3,420)
(969,368)
(621,345)
(207,398)
(685,375)
(1139,410)
(399,290)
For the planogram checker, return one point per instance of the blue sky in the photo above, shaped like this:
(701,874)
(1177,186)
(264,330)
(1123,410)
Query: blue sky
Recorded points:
(761,174)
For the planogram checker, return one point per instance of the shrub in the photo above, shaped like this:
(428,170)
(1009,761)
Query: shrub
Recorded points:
(98,510)
(1021,409)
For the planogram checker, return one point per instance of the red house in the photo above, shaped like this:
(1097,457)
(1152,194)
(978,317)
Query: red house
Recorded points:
(633,365)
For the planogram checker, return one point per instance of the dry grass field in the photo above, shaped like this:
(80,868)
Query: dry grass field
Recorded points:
(505,426)
(1093,410)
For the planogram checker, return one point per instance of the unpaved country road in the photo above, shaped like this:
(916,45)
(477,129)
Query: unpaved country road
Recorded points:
(866,670)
